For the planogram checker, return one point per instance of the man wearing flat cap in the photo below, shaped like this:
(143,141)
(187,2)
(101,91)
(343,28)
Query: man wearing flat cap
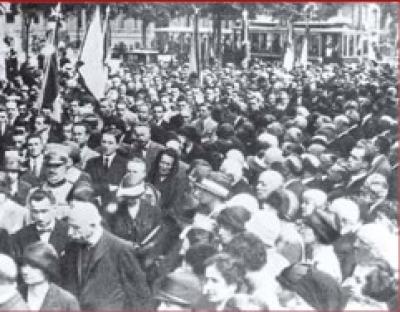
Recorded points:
(56,165)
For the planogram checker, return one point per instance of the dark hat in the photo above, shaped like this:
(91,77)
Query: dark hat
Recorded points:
(234,217)
(42,255)
(225,131)
(83,191)
(311,162)
(320,290)
(181,288)
(326,225)
(380,283)
(191,133)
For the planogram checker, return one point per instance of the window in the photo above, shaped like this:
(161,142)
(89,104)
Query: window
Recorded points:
(351,46)
(358,45)
(36,18)
(121,23)
(135,23)
(313,45)
(254,42)
(10,18)
(344,45)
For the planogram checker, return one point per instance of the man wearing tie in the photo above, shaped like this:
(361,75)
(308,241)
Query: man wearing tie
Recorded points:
(107,169)
(5,132)
(35,175)
(44,226)
(100,269)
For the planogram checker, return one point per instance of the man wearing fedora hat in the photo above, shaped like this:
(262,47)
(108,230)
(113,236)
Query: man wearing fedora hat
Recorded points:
(139,222)
(39,269)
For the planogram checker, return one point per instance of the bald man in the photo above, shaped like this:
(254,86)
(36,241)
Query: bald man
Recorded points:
(100,269)
(269,182)
(10,298)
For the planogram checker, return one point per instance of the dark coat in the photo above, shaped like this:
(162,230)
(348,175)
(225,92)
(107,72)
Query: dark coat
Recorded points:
(30,178)
(241,186)
(22,192)
(5,243)
(131,149)
(114,279)
(102,177)
(148,222)
(29,234)
(344,249)
(135,230)
(197,152)
(57,299)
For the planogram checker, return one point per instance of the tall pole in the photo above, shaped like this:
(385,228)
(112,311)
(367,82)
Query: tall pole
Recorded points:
(246,43)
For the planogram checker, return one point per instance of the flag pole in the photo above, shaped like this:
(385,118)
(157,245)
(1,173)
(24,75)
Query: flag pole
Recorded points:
(51,43)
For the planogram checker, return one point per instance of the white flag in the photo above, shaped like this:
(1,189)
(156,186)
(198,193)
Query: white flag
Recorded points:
(288,59)
(92,69)
(304,52)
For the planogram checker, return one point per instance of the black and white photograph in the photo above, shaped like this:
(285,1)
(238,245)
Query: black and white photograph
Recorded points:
(198,156)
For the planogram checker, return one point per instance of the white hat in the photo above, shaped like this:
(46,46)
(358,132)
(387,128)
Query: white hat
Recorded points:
(266,225)
(131,191)
(236,155)
(246,200)
(269,139)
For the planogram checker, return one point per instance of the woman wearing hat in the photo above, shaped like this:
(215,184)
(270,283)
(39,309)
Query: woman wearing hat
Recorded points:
(319,231)
(178,291)
(231,221)
(39,268)
(303,287)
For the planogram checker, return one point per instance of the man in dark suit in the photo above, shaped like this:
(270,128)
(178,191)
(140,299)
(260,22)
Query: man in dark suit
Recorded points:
(44,226)
(5,133)
(107,169)
(100,269)
(35,174)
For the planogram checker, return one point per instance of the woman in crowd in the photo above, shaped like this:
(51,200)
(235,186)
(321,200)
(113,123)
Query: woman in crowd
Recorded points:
(224,276)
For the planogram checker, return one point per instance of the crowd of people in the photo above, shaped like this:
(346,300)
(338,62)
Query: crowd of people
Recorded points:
(242,189)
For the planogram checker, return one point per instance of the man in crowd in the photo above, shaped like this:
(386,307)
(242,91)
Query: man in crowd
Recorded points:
(100,269)
(316,179)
